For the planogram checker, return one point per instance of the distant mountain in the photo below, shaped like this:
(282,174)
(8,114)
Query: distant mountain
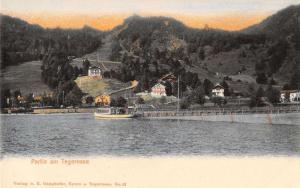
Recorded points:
(21,41)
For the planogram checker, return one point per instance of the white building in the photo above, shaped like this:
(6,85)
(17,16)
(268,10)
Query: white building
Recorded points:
(94,72)
(290,96)
(158,90)
(218,91)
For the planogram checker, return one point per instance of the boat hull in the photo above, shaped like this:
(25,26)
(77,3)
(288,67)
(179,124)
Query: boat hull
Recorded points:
(113,116)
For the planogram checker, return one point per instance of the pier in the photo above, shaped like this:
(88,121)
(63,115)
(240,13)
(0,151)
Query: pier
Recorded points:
(221,111)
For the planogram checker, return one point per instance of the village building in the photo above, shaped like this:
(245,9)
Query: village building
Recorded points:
(290,96)
(95,71)
(21,99)
(37,101)
(218,91)
(158,90)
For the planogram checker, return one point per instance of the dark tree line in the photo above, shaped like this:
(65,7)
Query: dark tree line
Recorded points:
(59,75)
(260,97)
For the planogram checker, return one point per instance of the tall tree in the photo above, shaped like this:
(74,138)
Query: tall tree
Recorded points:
(295,81)
(226,88)
(207,85)
(86,65)
(273,95)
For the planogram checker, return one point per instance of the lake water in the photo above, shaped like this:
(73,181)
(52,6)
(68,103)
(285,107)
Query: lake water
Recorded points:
(82,135)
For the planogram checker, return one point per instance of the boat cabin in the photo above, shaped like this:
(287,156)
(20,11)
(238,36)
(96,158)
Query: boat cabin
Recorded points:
(116,110)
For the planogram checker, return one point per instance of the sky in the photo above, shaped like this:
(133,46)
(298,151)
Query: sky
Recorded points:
(106,14)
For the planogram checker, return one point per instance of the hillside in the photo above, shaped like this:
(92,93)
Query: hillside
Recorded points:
(284,28)
(100,57)
(285,24)
(21,41)
(95,87)
(25,77)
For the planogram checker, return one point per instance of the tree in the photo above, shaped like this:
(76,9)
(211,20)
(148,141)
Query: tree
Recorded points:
(261,78)
(226,88)
(182,88)
(260,92)
(260,66)
(140,100)
(286,87)
(73,97)
(89,100)
(5,98)
(169,90)
(29,98)
(185,103)
(113,103)
(273,95)
(107,74)
(201,53)
(198,95)
(17,93)
(207,85)
(272,81)
(278,53)
(295,81)
(256,99)
(191,79)
(121,102)
(86,64)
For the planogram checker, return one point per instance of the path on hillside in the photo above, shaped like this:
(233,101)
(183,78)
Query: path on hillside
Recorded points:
(133,85)
(103,52)
(100,57)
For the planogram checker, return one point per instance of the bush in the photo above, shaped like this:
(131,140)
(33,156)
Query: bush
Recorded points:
(140,100)
(256,98)
(73,97)
(272,81)
(163,100)
(121,102)
(185,103)
(220,101)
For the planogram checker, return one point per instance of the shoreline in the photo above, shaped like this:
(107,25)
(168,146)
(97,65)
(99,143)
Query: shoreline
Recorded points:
(284,118)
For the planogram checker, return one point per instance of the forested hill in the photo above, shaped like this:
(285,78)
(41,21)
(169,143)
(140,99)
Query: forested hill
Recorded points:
(168,34)
(21,41)
(283,24)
